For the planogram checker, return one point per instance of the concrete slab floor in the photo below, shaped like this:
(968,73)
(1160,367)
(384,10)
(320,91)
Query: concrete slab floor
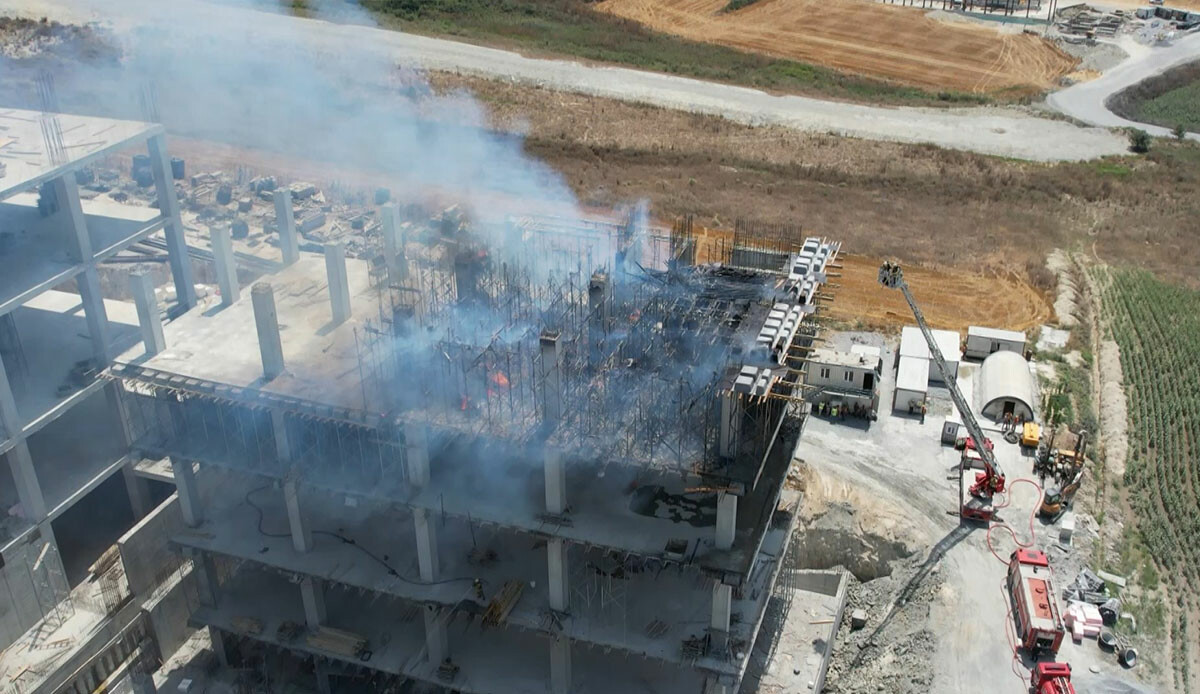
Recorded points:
(320,359)
(85,138)
(54,337)
(516,664)
(615,612)
(34,656)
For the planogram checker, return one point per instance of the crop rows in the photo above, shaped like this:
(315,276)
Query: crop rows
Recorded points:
(1157,327)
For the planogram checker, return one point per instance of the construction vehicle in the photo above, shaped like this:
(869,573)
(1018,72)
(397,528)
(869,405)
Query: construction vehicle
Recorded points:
(1051,678)
(1034,606)
(1065,467)
(974,495)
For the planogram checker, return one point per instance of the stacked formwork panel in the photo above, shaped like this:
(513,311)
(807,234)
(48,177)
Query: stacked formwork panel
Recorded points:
(556,462)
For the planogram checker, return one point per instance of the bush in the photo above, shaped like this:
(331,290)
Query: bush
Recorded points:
(1139,141)
(1179,132)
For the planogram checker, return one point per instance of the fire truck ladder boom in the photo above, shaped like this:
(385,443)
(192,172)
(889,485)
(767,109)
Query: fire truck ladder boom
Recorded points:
(891,276)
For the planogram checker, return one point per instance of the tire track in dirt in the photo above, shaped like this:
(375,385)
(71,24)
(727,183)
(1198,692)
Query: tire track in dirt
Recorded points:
(895,43)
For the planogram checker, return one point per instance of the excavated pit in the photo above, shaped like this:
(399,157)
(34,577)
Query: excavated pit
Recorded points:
(836,538)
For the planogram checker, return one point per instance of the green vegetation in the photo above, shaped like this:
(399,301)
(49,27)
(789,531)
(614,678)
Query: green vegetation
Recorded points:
(1113,169)
(1139,141)
(572,28)
(1157,326)
(735,5)
(1179,107)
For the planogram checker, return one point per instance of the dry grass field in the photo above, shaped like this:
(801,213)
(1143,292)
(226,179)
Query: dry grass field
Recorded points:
(900,44)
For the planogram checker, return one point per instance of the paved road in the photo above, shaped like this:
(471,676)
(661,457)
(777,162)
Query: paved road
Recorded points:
(1086,101)
(1003,132)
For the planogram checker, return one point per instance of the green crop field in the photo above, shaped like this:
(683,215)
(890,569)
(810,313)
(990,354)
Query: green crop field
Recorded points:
(1157,326)
(1179,106)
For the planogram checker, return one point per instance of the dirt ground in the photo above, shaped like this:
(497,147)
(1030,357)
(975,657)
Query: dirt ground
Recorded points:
(896,43)
(951,299)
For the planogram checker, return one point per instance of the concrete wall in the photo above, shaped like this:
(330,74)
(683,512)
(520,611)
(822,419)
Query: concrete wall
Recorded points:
(144,549)
(169,609)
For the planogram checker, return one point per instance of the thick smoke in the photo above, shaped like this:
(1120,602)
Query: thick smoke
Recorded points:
(243,74)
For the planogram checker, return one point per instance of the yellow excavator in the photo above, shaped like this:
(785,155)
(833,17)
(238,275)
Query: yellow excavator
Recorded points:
(1066,468)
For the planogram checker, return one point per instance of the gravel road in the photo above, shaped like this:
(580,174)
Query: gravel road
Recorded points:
(1086,101)
(998,131)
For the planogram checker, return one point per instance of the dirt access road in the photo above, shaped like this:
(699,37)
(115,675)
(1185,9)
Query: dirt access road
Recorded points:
(1003,132)
(1086,101)
(901,44)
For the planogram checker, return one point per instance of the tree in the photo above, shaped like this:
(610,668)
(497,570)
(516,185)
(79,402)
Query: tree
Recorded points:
(1179,132)
(1139,141)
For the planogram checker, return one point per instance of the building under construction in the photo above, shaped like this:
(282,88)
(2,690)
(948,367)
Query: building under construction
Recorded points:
(530,455)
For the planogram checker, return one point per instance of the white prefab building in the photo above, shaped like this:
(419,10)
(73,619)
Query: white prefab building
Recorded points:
(850,377)
(912,344)
(1005,386)
(912,385)
(983,341)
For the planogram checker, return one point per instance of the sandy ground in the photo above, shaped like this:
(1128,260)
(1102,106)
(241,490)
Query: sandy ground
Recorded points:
(950,298)
(1004,132)
(901,44)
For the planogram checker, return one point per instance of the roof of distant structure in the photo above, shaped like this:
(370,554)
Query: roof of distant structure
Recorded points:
(912,343)
(913,374)
(1004,376)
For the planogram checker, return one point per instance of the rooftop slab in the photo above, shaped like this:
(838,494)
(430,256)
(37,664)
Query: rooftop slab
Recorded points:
(321,362)
(25,156)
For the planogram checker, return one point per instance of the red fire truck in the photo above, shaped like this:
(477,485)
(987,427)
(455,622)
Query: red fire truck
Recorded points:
(1035,609)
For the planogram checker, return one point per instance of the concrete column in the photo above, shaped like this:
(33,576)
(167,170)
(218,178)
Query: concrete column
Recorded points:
(556,481)
(205,571)
(560,665)
(217,637)
(79,245)
(321,672)
(436,643)
(142,287)
(339,283)
(270,346)
(427,545)
(10,419)
(551,367)
(283,445)
(189,492)
(416,454)
(222,250)
(722,606)
(731,424)
(726,519)
(556,561)
(168,205)
(312,593)
(285,222)
(393,244)
(29,490)
(142,683)
(138,489)
(301,532)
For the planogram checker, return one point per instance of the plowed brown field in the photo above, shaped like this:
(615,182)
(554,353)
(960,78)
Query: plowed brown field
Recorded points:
(895,43)
(950,298)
